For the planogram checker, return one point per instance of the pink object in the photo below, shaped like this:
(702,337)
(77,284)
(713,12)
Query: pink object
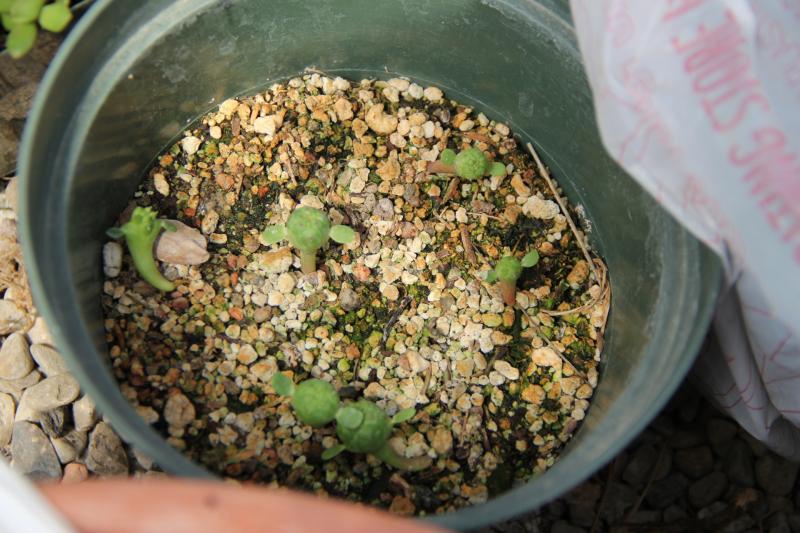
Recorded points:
(185,506)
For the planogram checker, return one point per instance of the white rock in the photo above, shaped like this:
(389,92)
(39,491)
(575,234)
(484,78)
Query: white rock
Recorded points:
(267,125)
(538,208)
(112,259)
(215,132)
(415,91)
(6,418)
(184,246)
(47,395)
(84,414)
(15,358)
(179,411)
(390,292)
(49,360)
(399,84)
(39,334)
(160,184)
(546,356)
(433,94)
(228,107)
(285,283)
(357,184)
(209,222)
(466,125)
(12,318)
(502,129)
(508,371)
(496,378)
(190,144)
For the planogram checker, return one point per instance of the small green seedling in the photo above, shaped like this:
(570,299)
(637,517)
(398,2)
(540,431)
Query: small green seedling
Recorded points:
(471,164)
(507,272)
(308,229)
(19,18)
(140,234)
(362,426)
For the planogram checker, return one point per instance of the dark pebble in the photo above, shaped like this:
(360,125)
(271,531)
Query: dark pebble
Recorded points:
(686,438)
(776,475)
(662,493)
(712,510)
(739,524)
(707,489)
(794,522)
(777,523)
(581,513)
(641,464)
(694,462)
(720,432)
(673,513)
(645,516)
(562,526)
(739,464)
(620,498)
(52,422)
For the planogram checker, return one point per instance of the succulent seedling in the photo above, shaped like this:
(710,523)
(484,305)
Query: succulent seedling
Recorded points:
(469,164)
(308,229)
(507,271)
(21,16)
(362,426)
(140,234)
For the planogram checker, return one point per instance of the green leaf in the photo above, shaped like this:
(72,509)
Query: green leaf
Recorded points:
(25,10)
(402,416)
(7,22)
(273,234)
(5,5)
(530,259)
(282,384)
(20,39)
(491,277)
(448,156)
(55,17)
(497,169)
(332,452)
(115,233)
(342,234)
(349,417)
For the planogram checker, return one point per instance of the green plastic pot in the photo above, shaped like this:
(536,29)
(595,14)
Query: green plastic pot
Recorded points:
(133,74)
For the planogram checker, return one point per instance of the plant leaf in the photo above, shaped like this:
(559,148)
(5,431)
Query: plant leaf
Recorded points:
(332,452)
(342,234)
(5,5)
(282,384)
(273,234)
(7,22)
(403,415)
(55,17)
(530,259)
(497,169)
(491,277)
(20,39)
(448,156)
(349,417)
(115,233)
(22,11)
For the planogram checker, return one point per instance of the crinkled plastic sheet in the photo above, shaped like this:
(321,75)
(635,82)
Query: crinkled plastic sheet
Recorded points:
(699,100)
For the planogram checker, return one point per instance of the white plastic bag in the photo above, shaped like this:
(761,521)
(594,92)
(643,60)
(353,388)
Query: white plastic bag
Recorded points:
(699,100)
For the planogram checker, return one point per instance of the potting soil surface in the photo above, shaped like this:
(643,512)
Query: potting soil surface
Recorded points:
(403,315)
